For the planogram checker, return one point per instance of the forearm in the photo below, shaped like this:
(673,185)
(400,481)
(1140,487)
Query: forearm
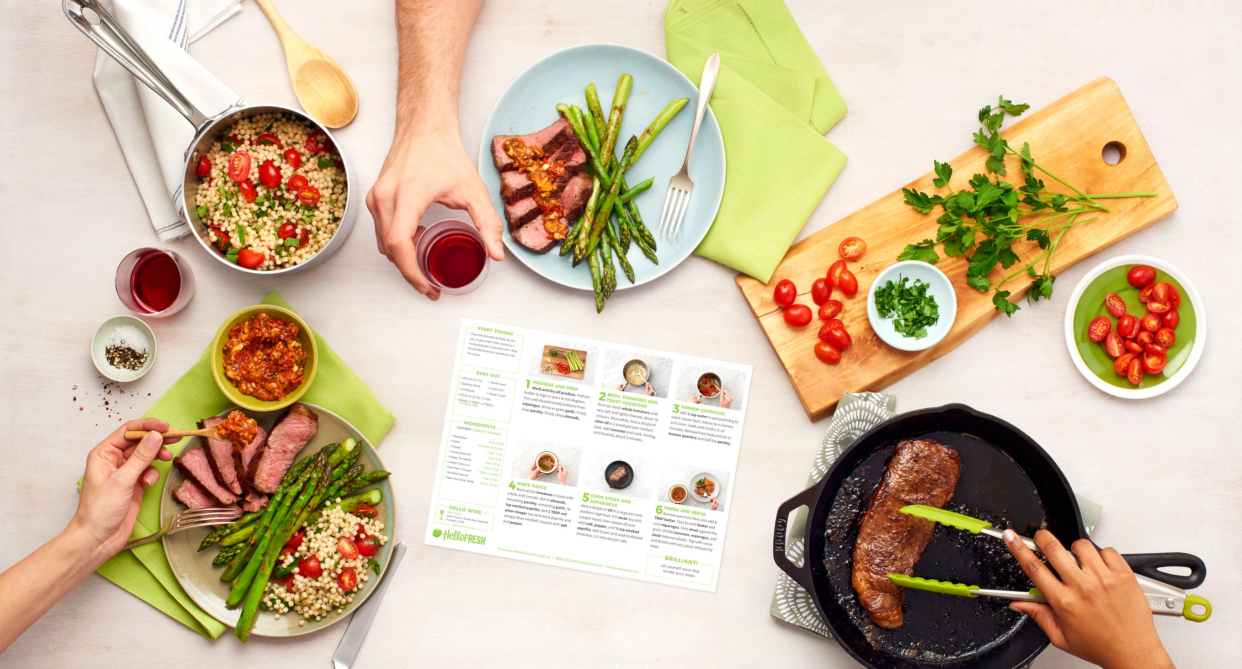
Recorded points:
(431,39)
(33,586)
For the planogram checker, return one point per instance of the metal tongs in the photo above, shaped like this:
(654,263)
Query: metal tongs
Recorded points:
(1163,598)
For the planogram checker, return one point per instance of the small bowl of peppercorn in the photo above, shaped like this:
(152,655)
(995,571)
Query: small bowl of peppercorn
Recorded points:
(123,348)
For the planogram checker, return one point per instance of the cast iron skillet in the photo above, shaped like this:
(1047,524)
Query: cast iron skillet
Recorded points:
(1006,479)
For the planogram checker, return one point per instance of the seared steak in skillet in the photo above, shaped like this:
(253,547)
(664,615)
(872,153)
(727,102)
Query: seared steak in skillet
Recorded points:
(921,471)
(193,464)
(288,437)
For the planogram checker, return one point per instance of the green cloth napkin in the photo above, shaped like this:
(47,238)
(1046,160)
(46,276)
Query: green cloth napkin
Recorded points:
(774,102)
(855,414)
(144,571)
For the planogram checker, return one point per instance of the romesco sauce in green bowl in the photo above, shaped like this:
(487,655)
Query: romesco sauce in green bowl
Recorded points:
(1087,303)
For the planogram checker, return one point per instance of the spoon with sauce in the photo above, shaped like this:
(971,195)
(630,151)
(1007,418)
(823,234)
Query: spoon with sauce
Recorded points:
(323,87)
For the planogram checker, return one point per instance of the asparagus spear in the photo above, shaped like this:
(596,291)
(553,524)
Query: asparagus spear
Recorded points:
(625,262)
(348,461)
(225,555)
(251,563)
(627,195)
(369,498)
(605,210)
(657,124)
(339,484)
(584,223)
(225,530)
(595,283)
(239,562)
(610,270)
(643,246)
(641,230)
(364,479)
(619,99)
(597,112)
(338,455)
(238,537)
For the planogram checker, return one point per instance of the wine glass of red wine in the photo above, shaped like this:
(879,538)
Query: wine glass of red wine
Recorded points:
(154,282)
(451,255)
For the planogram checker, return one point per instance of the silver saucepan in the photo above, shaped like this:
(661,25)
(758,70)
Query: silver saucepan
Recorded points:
(95,22)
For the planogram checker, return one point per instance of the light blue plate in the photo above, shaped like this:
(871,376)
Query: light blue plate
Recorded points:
(529,104)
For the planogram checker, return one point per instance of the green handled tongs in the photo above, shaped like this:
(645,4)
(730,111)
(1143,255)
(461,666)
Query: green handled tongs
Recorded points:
(1163,598)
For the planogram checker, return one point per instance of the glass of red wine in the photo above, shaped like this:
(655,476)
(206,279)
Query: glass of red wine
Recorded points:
(154,282)
(452,256)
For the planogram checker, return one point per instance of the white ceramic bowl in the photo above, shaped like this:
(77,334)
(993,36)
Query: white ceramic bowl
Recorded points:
(940,288)
(1190,295)
(100,342)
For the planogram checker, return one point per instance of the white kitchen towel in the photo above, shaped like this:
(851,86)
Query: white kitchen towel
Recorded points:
(152,134)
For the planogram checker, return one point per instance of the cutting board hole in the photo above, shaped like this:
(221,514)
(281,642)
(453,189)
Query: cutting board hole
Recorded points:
(1114,152)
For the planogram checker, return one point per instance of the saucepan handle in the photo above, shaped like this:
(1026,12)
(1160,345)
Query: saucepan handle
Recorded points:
(108,35)
(807,498)
(1149,564)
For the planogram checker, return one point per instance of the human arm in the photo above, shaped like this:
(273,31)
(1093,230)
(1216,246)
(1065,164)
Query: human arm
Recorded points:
(650,389)
(427,162)
(561,474)
(533,473)
(1095,611)
(117,472)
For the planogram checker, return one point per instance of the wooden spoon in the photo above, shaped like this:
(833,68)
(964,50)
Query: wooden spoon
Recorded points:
(321,84)
(206,432)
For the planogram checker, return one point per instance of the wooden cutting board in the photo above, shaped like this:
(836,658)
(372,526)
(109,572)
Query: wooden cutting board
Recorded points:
(549,360)
(1067,137)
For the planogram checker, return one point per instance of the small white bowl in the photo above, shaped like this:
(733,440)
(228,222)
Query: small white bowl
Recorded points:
(100,342)
(940,288)
(1191,295)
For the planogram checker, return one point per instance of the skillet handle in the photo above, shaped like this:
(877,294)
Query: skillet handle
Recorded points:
(808,498)
(1148,564)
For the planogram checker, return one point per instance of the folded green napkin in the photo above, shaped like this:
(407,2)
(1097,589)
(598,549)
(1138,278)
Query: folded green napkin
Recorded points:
(774,102)
(144,571)
(855,414)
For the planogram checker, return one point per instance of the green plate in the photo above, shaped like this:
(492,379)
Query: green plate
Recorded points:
(253,403)
(1087,303)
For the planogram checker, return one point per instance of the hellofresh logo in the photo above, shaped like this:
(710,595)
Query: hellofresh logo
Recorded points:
(456,535)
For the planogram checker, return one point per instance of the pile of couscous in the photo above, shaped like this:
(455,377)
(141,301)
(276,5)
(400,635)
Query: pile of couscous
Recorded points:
(272,191)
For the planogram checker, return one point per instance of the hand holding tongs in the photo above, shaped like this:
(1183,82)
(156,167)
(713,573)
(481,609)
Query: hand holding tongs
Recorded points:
(1163,598)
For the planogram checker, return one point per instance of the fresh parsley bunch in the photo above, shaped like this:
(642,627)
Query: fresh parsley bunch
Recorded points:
(910,307)
(981,223)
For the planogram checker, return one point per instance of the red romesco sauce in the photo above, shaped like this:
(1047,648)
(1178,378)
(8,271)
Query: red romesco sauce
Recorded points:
(531,161)
(238,429)
(264,358)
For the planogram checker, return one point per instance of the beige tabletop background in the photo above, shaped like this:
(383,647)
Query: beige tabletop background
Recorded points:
(1166,470)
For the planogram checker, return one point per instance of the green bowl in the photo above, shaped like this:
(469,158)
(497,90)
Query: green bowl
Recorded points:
(217,358)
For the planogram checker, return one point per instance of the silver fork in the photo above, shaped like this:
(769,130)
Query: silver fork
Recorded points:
(681,185)
(189,518)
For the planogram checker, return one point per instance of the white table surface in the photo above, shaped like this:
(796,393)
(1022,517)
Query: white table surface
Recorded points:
(913,74)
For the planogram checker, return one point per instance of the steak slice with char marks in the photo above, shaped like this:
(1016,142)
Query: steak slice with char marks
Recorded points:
(921,471)
(288,437)
(194,465)
(221,458)
(193,496)
(574,196)
(549,139)
(534,236)
(254,501)
(245,459)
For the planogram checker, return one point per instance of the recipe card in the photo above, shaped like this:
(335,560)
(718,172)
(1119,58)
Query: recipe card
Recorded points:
(588,454)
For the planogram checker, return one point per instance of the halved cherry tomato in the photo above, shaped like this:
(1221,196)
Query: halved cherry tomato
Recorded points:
(848,283)
(798,315)
(1159,293)
(1158,307)
(1155,349)
(268,139)
(309,567)
(293,158)
(296,183)
(296,541)
(839,338)
(1153,363)
(830,309)
(366,512)
(347,580)
(1114,345)
(269,174)
(785,292)
(1145,337)
(222,240)
(250,259)
(248,190)
(834,272)
(834,323)
(204,167)
(1133,346)
(317,141)
(1150,322)
(1141,275)
(1170,318)
(303,237)
(287,581)
(1122,364)
(1135,371)
(821,291)
(1145,293)
(1115,305)
(1099,328)
(287,551)
(367,546)
(309,196)
(287,230)
(239,166)
(347,548)
(359,531)
(852,248)
(1166,337)
(1175,298)
(826,353)
(1128,326)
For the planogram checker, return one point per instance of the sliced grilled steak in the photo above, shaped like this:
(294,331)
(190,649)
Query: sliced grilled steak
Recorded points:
(288,437)
(921,471)
(515,185)
(192,495)
(254,501)
(221,458)
(549,139)
(194,465)
(521,212)
(574,196)
(534,236)
(245,459)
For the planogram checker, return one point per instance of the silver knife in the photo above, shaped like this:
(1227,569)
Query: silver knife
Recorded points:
(351,643)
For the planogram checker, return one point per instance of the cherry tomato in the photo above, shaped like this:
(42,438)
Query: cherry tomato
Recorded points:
(1175,298)
(1145,293)
(1150,322)
(839,338)
(852,248)
(826,353)
(287,551)
(1158,307)
(821,291)
(798,315)
(1155,349)
(1135,371)
(1166,337)
(1170,318)
(339,165)
(296,183)
(785,292)
(250,259)
(367,546)
(830,309)
(293,158)
(1122,364)
(309,567)
(1153,363)
(318,141)
(296,541)
(269,174)
(1115,305)
(248,190)
(359,531)
(268,139)
(287,230)
(823,330)
(1099,328)
(366,512)
(203,168)
(834,272)
(1128,326)
(239,166)
(1133,347)
(848,283)
(303,237)
(347,580)
(287,581)
(1145,337)
(347,548)
(1159,293)
(1114,345)
(309,196)
(222,240)
(1141,275)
